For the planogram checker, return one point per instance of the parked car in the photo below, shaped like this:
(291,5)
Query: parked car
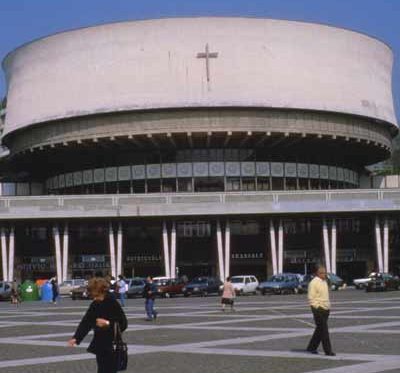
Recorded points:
(5,290)
(361,283)
(80,292)
(246,284)
(135,287)
(202,286)
(284,283)
(169,287)
(383,282)
(66,287)
(334,282)
(305,282)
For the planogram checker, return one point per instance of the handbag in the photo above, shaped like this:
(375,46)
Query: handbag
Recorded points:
(120,349)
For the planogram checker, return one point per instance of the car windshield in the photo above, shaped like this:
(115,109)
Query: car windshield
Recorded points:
(276,279)
(199,281)
(237,280)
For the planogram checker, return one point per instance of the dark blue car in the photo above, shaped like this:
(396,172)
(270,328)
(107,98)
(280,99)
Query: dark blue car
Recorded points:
(284,283)
(202,286)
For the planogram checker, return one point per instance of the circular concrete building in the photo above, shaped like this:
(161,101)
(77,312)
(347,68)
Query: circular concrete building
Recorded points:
(216,106)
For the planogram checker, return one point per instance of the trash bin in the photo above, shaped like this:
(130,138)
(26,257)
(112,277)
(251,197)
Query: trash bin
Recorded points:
(29,291)
(46,292)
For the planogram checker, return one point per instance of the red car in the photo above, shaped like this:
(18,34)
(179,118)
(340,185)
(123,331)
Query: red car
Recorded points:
(169,287)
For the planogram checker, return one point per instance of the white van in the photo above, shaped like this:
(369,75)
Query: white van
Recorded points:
(246,284)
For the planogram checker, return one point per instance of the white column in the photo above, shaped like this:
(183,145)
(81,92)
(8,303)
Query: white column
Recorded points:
(112,251)
(378,244)
(11,255)
(57,244)
(220,252)
(280,247)
(173,251)
(65,253)
(4,261)
(166,251)
(227,249)
(326,246)
(273,247)
(333,246)
(119,250)
(386,246)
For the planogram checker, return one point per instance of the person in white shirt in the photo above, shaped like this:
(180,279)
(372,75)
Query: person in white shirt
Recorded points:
(318,297)
(121,289)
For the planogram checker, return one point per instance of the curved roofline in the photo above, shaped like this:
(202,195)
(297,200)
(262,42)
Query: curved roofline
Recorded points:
(392,127)
(7,56)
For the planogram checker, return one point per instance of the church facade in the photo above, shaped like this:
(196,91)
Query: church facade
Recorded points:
(198,146)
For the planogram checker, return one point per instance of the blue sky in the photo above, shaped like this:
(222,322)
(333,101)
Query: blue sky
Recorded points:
(24,20)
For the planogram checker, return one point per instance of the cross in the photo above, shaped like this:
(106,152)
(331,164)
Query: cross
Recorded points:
(207,55)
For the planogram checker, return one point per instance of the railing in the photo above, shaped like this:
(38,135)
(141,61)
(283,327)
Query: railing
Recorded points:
(276,202)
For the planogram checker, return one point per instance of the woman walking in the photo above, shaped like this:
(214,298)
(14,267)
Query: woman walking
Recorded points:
(228,294)
(103,313)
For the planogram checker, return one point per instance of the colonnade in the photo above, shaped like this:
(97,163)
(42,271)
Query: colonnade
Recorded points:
(169,247)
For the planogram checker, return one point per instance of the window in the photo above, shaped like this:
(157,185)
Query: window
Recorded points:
(194,229)
(232,184)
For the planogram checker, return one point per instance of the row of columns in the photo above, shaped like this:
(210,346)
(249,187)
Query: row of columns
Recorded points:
(7,240)
(115,242)
(382,244)
(169,250)
(329,233)
(224,250)
(276,257)
(61,244)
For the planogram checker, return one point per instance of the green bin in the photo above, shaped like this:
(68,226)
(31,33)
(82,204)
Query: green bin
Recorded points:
(29,291)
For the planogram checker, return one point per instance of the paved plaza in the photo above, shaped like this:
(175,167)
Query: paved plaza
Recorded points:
(266,334)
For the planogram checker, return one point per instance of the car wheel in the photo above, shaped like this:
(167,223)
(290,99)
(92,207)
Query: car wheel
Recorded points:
(185,295)
(73,298)
(295,291)
(263,292)
(334,287)
(167,295)
(205,293)
(241,292)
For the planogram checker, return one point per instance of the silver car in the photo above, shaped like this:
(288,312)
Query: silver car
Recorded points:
(66,287)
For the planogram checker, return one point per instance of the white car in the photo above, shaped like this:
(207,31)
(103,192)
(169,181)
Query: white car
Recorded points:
(246,284)
(361,283)
(66,286)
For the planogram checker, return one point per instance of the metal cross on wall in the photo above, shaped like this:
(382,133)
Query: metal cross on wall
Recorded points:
(207,55)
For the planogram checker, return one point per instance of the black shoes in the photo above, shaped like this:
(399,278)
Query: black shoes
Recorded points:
(314,352)
(330,354)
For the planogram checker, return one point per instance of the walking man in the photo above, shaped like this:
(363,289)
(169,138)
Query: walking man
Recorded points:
(150,294)
(121,289)
(318,297)
(54,287)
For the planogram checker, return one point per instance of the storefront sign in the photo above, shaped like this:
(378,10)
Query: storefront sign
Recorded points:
(247,256)
(143,258)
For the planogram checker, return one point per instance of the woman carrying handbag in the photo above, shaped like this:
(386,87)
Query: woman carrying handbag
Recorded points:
(106,317)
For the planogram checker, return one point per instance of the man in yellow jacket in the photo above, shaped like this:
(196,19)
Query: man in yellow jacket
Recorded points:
(318,297)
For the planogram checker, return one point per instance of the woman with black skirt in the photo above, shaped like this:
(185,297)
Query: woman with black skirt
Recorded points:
(103,313)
